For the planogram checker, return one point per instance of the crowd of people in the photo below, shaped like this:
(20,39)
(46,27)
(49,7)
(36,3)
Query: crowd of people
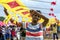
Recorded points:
(11,32)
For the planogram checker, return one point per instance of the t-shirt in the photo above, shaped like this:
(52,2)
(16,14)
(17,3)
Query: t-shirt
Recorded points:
(34,31)
(55,29)
(13,33)
(23,32)
(8,31)
(17,29)
(3,31)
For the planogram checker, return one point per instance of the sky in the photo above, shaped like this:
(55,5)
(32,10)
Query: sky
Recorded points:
(37,5)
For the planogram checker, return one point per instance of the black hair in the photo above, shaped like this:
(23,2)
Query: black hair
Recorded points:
(10,25)
(3,26)
(38,11)
(54,25)
(21,28)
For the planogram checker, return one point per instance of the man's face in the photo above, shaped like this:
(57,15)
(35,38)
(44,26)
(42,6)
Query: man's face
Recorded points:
(35,17)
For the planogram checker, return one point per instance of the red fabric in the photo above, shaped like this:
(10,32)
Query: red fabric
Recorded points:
(35,34)
(13,33)
(26,24)
(13,4)
(48,29)
(24,13)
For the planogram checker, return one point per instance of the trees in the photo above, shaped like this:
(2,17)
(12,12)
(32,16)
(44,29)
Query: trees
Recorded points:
(2,18)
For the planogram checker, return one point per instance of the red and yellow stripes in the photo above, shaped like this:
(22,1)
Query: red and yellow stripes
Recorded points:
(17,7)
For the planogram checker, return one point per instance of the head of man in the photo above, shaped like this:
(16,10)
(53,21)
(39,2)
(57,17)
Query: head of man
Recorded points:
(35,16)
(54,25)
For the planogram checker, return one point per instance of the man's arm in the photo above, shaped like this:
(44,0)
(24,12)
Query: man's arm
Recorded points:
(57,22)
(46,20)
(51,27)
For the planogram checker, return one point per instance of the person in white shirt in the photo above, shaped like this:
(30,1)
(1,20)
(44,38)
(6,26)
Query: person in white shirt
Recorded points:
(4,31)
(18,32)
(34,30)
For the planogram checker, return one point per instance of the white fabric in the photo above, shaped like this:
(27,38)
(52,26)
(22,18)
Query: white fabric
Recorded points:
(3,31)
(18,32)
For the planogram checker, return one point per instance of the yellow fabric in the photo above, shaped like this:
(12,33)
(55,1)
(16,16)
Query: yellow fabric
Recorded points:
(21,6)
(55,29)
(7,19)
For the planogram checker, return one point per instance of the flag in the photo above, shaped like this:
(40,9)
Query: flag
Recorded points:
(17,7)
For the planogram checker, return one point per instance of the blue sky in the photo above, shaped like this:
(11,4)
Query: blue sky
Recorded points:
(36,5)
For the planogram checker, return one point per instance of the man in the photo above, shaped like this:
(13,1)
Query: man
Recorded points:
(8,33)
(18,32)
(34,29)
(4,31)
(54,29)
(1,35)
(23,33)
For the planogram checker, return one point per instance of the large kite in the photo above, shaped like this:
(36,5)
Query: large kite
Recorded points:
(15,7)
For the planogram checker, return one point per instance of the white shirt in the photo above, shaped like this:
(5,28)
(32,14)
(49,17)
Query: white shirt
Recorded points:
(3,31)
